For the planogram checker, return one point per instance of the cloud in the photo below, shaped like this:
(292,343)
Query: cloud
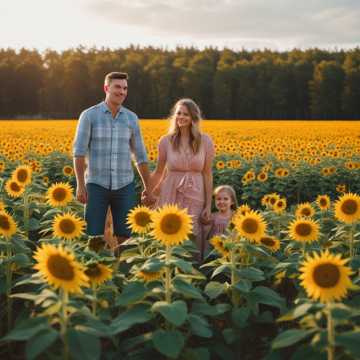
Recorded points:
(282,22)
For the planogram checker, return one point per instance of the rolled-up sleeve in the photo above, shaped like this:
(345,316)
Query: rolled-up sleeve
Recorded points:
(137,143)
(82,136)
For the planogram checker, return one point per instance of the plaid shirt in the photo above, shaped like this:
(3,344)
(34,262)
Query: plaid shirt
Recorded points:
(108,143)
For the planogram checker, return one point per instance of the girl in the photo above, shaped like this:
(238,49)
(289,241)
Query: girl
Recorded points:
(226,204)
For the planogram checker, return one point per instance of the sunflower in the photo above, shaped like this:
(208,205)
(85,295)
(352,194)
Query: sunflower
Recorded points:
(7,224)
(59,194)
(304,230)
(96,243)
(273,198)
(262,176)
(280,206)
(304,210)
(265,200)
(2,166)
(60,269)
(347,208)
(251,226)
(2,206)
(68,170)
(68,226)
(139,219)
(341,188)
(13,188)
(98,273)
(149,275)
(22,174)
(325,276)
(270,242)
(323,202)
(220,165)
(218,243)
(172,225)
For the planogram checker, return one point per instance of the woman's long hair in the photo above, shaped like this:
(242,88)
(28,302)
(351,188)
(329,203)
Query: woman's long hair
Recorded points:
(195,134)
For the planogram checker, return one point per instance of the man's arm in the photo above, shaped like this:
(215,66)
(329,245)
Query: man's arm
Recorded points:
(81,145)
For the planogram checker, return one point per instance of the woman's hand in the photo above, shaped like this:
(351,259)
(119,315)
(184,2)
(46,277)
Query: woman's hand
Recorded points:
(205,216)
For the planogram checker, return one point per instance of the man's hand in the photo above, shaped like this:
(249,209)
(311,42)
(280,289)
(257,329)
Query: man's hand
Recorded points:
(81,194)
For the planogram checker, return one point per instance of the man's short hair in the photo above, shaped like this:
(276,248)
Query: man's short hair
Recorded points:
(115,75)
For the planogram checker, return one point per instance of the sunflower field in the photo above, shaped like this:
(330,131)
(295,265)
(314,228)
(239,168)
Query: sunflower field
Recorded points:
(281,283)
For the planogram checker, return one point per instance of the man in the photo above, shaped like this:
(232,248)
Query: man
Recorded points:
(107,135)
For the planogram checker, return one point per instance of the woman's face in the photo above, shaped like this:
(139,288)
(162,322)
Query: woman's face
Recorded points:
(182,116)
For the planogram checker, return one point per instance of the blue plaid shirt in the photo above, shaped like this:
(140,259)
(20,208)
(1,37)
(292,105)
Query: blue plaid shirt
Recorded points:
(108,143)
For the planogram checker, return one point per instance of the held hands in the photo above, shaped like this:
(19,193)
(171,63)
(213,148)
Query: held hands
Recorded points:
(205,217)
(147,198)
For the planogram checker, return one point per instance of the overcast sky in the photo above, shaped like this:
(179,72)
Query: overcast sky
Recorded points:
(275,24)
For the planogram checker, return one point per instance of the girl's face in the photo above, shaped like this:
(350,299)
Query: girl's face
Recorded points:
(223,201)
(182,116)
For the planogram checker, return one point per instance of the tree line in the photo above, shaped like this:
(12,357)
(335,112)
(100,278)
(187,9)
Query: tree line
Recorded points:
(296,84)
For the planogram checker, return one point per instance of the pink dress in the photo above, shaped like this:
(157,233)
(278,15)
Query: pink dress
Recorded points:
(219,224)
(183,183)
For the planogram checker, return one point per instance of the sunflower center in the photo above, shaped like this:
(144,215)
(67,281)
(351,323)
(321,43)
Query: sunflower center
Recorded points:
(250,226)
(272,201)
(59,194)
(22,175)
(67,226)
(303,229)
(60,267)
(349,207)
(323,202)
(4,222)
(170,224)
(14,186)
(142,219)
(326,275)
(306,212)
(280,204)
(93,271)
(268,241)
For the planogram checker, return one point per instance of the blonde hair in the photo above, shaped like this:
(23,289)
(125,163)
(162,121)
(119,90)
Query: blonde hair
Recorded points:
(230,191)
(195,134)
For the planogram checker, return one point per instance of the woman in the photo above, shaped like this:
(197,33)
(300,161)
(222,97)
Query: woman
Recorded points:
(183,175)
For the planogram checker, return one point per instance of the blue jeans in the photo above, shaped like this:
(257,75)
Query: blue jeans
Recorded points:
(121,202)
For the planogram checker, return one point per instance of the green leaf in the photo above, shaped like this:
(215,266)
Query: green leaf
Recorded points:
(27,329)
(221,269)
(40,342)
(21,260)
(250,273)
(213,289)
(350,341)
(183,265)
(230,335)
(240,316)
(243,285)
(296,313)
(83,346)
(265,295)
(187,289)
(200,353)
(290,337)
(138,314)
(34,224)
(209,310)
(199,326)
(175,312)
(168,343)
(152,265)
(132,293)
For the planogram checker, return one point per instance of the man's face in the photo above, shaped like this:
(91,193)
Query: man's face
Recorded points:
(117,90)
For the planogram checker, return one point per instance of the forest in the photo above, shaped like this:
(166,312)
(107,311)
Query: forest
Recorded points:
(263,84)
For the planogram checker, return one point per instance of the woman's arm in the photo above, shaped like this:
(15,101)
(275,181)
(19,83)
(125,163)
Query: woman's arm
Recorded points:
(157,175)
(208,177)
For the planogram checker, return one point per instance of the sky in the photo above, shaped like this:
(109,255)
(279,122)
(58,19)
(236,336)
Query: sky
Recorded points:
(251,24)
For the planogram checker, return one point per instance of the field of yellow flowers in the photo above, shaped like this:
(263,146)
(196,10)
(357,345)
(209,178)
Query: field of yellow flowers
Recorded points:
(281,283)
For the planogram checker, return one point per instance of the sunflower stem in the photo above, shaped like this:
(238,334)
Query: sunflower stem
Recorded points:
(94,301)
(331,333)
(168,275)
(234,278)
(351,241)
(63,322)
(8,286)
(26,213)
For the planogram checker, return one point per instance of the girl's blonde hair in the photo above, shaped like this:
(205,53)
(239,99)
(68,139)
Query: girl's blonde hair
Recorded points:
(195,134)
(231,191)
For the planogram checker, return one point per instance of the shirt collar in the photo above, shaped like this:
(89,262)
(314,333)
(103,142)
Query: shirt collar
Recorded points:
(106,109)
